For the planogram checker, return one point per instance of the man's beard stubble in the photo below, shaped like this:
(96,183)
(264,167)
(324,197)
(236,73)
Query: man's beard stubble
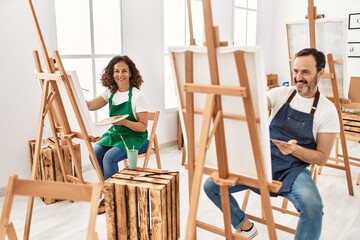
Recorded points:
(306,90)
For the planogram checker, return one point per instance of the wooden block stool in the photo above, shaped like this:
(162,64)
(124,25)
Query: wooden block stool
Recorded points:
(49,167)
(142,204)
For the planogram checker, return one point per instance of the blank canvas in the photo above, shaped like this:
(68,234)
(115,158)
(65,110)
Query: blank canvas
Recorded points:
(331,37)
(90,126)
(239,150)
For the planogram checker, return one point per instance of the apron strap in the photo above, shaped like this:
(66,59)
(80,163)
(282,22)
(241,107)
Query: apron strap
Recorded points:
(291,97)
(316,101)
(129,100)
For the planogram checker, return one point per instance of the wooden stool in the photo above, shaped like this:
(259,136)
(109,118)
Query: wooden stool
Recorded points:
(49,167)
(142,204)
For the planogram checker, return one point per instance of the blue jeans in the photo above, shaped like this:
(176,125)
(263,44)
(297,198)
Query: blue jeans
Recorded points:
(304,195)
(109,157)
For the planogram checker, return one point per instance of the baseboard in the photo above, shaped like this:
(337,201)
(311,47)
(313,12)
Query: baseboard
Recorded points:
(168,144)
(87,167)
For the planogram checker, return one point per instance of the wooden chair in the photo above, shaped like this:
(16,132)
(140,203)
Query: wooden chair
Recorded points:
(153,147)
(59,190)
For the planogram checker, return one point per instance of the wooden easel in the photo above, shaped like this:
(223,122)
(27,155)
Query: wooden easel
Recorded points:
(312,15)
(59,190)
(213,111)
(336,99)
(52,105)
(191,32)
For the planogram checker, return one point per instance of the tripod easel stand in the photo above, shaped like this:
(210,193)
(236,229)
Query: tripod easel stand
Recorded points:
(213,113)
(312,15)
(53,107)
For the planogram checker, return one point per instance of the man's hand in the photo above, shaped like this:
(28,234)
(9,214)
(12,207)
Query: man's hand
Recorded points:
(285,147)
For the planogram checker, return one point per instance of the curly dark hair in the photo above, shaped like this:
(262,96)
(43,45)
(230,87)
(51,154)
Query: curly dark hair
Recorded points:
(107,77)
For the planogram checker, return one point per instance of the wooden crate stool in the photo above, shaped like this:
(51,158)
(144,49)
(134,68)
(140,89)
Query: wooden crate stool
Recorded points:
(142,204)
(49,167)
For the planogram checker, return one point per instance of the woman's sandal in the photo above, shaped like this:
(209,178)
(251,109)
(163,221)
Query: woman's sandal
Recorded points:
(101,208)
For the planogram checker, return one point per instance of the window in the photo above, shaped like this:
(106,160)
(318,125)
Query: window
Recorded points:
(245,20)
(176,33)
(88,34)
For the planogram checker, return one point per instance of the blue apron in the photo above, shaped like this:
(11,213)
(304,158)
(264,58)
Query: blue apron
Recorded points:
(288,124)
(112,137)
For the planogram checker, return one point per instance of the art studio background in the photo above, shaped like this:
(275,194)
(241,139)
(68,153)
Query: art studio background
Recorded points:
(143,40)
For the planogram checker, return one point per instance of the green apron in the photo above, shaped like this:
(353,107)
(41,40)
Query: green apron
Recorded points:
(112,138)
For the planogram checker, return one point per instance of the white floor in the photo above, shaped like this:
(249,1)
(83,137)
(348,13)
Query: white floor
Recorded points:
(66,220)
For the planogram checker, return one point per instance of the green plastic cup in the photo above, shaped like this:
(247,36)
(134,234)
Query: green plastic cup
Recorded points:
(132,155)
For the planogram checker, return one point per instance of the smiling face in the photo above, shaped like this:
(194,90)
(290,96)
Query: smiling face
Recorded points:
(306,76)
(122,76)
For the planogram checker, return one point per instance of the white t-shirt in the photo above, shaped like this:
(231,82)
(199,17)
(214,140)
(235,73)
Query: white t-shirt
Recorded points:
(326,119)
(138,102)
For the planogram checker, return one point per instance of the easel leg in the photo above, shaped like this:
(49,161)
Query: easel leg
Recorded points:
(11,232)
(6,208)
(43,110)
(342,131)
(157,154)
(28,218)
(200,161)
(224,192)
(183,156)
(246,200)
(76,161)
(57,144)
(95,163)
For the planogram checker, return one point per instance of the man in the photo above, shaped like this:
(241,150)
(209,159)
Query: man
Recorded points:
(303,127)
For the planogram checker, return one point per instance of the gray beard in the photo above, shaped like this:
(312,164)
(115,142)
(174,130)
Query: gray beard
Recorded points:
(308,89)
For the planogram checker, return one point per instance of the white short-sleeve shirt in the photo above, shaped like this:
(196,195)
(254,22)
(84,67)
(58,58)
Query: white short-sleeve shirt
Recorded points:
(326,119)
(138,101)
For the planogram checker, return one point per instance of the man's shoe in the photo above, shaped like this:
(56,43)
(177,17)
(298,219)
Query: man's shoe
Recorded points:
(251,233)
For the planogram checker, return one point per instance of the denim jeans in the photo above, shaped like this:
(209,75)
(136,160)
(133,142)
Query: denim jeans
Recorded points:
(109,157)
(304,195)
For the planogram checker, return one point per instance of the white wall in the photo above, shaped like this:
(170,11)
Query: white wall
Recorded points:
(20,92)
(142,41)
(274,14)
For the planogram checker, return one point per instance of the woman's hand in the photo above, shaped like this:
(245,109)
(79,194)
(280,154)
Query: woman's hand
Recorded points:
(138,126)
(121,122)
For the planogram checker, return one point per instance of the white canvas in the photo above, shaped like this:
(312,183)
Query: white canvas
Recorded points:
(90,126)
(331,37)
(239,150)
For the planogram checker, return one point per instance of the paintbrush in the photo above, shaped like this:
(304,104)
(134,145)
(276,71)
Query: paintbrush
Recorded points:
(124,143)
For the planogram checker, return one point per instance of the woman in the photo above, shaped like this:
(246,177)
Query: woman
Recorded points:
(122,80)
